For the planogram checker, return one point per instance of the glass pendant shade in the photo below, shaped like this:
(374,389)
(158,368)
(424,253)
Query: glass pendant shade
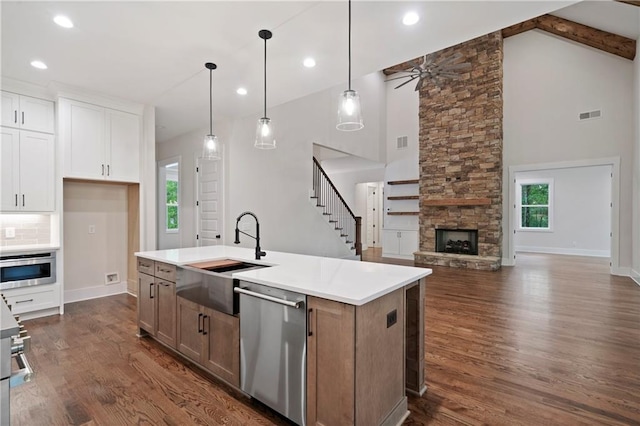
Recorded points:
(265,138)
(349,112)
(211,148)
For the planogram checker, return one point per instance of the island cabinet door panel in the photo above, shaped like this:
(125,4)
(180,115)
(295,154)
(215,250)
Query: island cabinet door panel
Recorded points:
(330,363)
(166,313)
(190,329)
(146,303)
(222,345)
(380,397)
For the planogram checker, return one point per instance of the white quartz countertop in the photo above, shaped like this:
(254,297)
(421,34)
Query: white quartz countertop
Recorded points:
(347,281)
(27,249)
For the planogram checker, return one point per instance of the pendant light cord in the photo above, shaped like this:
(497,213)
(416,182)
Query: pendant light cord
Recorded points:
(349,44)
(265,78)
(211,102)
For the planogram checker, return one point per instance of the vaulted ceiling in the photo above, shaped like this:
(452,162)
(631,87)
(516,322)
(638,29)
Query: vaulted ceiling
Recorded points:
(154,52)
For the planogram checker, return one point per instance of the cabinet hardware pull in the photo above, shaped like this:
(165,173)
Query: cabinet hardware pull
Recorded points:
(200,318)
(108,170)
(22,117)
(24,301)
(150,291)
(22,200)
(309,321)
(103,170)
(16,200)
(204,332)
(15,116)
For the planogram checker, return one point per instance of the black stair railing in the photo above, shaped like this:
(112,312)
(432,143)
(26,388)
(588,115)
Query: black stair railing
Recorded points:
(337,210)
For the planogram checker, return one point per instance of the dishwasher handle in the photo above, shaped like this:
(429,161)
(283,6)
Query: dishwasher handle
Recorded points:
(290,303)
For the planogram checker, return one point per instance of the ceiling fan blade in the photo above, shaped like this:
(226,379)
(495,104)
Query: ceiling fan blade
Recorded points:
(406,82)
(420,84)
(401,76)
(428,60)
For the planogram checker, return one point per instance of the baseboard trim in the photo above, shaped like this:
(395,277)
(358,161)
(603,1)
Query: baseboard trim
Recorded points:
(88,293)
(635,276)
(508,262)
(565,251)
(621,272)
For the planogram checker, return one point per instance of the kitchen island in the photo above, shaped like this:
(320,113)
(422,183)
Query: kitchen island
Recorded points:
(364,327)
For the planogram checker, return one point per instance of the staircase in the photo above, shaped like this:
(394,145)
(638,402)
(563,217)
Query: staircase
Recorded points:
(334,209)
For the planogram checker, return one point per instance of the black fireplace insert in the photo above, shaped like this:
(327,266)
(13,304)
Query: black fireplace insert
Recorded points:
(457,241)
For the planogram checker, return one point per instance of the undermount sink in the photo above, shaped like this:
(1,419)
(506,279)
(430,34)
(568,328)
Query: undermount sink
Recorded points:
(228,269)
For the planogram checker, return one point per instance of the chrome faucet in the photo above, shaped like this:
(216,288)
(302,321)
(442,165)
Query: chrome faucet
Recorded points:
(259,253)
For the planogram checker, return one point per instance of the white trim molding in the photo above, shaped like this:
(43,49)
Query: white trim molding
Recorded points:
(567,251)
(80,294)
(635,276)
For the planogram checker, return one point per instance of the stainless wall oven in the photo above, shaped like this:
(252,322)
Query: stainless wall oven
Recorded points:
(27,269)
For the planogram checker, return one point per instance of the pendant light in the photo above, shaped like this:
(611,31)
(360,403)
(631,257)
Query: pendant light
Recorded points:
(349,112)
(265,139)
(211,147)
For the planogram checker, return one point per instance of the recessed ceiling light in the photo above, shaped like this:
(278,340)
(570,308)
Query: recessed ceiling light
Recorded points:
(309,62)
(410,18)
(63,21)
(241,91)
(39,64)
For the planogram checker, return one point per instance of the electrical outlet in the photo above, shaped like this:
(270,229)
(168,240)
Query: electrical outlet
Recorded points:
(10,233)
(92,229)
(392,318)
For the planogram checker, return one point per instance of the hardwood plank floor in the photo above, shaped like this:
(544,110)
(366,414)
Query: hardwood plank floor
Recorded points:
(554,340)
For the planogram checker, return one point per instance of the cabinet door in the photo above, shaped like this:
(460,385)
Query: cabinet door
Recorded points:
(10,109)
(9,170)
(36,114)
(408,243)
(83,132)
(123,146)
(330,363)
(390,243)
(166,313)
(189,339)
(146,303)
(36,172)
(222,345)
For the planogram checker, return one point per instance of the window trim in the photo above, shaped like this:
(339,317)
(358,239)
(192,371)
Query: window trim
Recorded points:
(167,204)
(538,181)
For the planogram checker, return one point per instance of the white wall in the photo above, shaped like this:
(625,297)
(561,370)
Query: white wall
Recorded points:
(275,184)
(581,213)
(547,82)
(635,273)
(88,257)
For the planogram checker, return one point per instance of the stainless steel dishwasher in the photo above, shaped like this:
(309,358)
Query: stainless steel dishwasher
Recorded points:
(273,348)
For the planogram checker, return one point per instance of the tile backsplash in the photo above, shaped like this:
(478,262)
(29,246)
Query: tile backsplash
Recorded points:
(27,229)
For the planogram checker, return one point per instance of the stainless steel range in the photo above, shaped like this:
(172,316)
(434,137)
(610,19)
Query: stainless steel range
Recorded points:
(13,344)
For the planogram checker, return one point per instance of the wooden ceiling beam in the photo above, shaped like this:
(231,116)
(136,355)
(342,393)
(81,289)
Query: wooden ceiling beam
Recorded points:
(631,2)
(602,40)
(598,39)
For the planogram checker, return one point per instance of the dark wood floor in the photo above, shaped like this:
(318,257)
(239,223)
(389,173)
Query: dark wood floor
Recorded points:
(554,340)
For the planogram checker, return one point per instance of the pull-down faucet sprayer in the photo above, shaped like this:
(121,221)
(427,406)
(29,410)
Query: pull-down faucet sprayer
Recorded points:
(259,253)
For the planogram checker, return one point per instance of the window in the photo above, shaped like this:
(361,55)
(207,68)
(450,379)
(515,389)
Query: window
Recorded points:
(534,202)
(171,188)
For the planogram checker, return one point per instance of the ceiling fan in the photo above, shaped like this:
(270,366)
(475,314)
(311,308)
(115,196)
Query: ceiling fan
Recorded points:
(432,67)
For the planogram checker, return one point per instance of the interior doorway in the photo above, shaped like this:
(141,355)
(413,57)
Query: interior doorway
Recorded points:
(373,220)
(169,210)
(209,202)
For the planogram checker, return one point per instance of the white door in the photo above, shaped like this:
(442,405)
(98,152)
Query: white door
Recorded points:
(9,171)
(36,171)
(209,202)
(371,214)
(123,146)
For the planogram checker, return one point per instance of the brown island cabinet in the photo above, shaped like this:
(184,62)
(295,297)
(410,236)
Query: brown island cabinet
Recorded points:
(361,360)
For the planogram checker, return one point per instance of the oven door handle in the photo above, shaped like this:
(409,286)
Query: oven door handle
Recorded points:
(26,262)
(22,376)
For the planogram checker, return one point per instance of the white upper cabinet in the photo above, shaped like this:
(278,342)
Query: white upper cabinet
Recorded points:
(99,143)
(27,113)
(27,161)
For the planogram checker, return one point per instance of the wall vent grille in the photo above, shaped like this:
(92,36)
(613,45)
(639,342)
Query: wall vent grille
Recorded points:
(402,142)
(590,115)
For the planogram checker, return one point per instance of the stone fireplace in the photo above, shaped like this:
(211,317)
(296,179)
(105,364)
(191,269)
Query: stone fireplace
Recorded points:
(461,158)
(458,241)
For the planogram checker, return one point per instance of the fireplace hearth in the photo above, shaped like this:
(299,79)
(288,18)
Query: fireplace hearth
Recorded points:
(457,241)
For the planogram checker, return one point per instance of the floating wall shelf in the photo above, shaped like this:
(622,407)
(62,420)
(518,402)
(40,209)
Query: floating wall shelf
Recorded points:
(404,197)
(403,182)
(403,213)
